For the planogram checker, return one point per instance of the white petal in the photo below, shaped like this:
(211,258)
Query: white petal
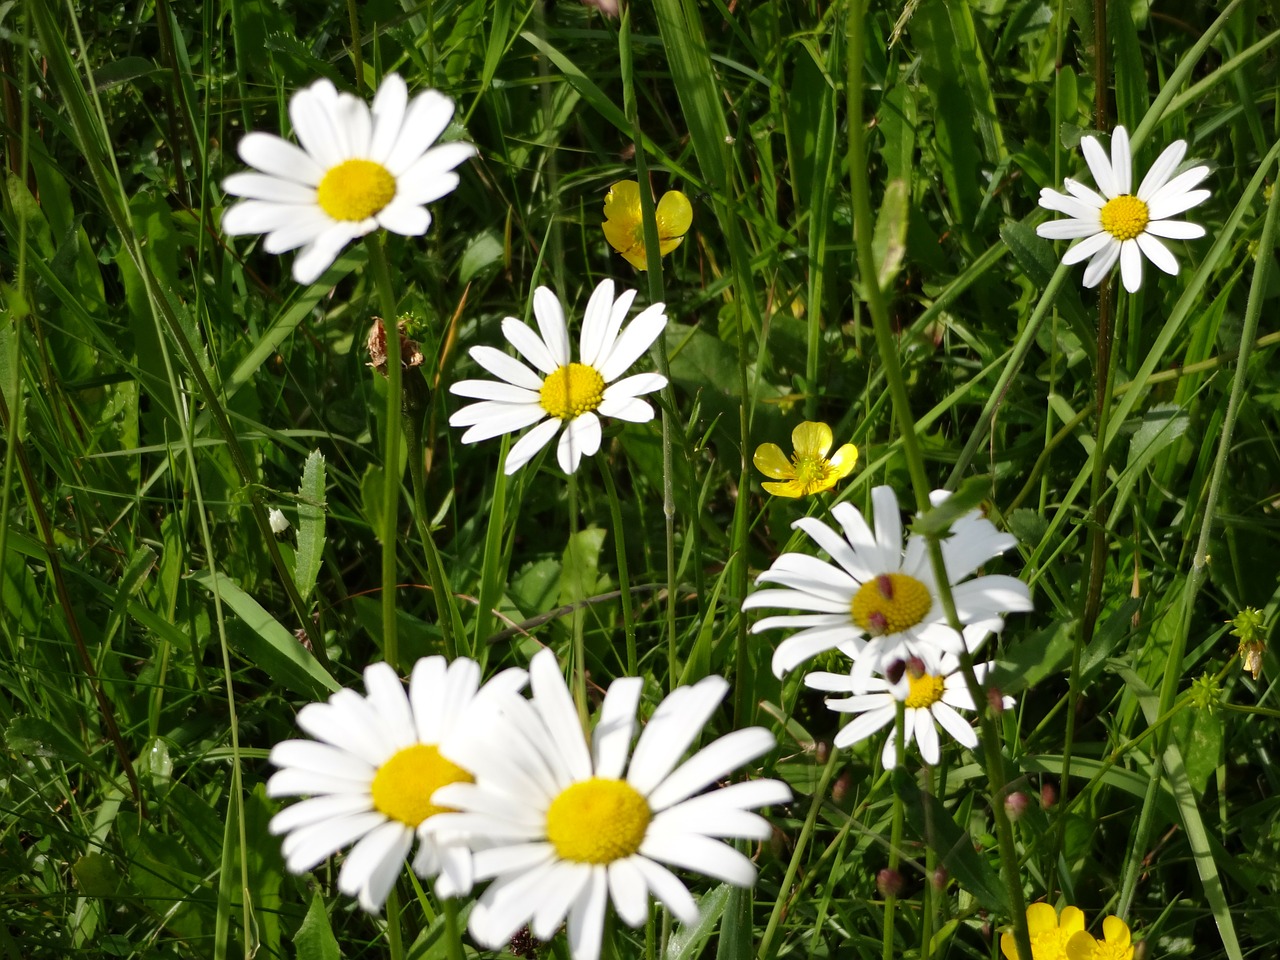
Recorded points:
(319,809)
(1088,247)
(595,323)
(701,854)
(1162,169)
(634,386)
(628,891)
(836,547)
(495,390)
(529,345)
(564,885)
(1121,160)
(550,317)
(863,726)
(711,820)
(280,158)
(347,721)
(524,449)
(492,419)
(388,114)
(862,541)
(959,728)
(314,757)
(1102,261)
(611,739)
(428,180)
(372,866)
(1157,253)
(637,338)
(1066,229)
(668,889)
(261,186)
(351,116)
(796,649)
(553,703)
(507,905)
(311,110)
(1175,229)
(424,120)
(631,410)
(1131,266)
(926,734)
(404,218)
(386,694)
(259,216)
(1177,187)
(794,600)
(1099,166)
(454,877)
(1078,190)
(506,367)
(1073,207)
(676,723)
(1164,206)
(303,228)
(316,257)
(618,314)
(516,858)
(586,918)
(709,764)
(581,438)
(307,846)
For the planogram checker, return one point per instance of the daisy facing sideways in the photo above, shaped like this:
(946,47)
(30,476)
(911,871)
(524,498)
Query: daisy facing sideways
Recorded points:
(561,392)
(878,602)
(1119,224)
(931,690)
(356,170)
(564,826)
(370,773)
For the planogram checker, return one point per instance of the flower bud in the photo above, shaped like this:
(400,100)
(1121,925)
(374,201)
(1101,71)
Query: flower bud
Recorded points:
(1015,805)
(889,882)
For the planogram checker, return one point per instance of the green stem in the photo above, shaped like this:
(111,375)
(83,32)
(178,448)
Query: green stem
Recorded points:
(797,855)
(452,933)
(888,351)
(579,642)
(395,937)
(391,448)
(624,574)
(895,832)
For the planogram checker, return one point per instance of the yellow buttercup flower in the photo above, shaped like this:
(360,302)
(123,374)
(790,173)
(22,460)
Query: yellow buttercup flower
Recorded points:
(809,470)
(624,228)
(1115,945)
(1050,933)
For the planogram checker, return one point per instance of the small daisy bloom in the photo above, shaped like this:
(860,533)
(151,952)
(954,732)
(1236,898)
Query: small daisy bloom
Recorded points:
(279,522)
(563,825)
(878,602)
(370,773)
(932,688)
(1120,225)
(809,470)
(562,392)
(356,170)
(1116,944)
(624,226)
(1049,932)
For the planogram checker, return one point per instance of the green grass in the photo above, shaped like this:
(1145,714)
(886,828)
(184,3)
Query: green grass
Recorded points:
(863,252)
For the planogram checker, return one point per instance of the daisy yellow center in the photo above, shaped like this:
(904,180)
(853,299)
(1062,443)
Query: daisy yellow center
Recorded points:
(1125,217)
(355,190)
(597,821)
(924,692)
(571,391)
(403,786)
(890,603)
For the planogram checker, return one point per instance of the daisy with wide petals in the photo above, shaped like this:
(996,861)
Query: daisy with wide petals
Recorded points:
(564,826)
(878,602)
(1049,932)
(356,170)
(931,690)
(371,770)
(562,392)
(809,469)
(624,226)
(1119,224)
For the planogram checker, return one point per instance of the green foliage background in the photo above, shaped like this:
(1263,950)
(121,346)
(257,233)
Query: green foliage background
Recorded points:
(162,382)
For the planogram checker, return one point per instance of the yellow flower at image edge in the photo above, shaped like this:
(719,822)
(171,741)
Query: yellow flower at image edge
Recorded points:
(624,227)
(809,470)
(1049,932)
(1115,945)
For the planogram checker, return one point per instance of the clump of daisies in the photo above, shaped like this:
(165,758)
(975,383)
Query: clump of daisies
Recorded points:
(356,170)
(1120,223)
(560,394)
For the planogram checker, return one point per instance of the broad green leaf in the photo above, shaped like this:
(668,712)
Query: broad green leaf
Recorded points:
(580,573)
(314,939)
(311,517)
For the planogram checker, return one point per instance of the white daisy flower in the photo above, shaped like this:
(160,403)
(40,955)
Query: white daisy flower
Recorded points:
(278,521)
(1119,225)
(371,775)
(932,688)
(563,826)
(356,170)
(877,602)
(563,392)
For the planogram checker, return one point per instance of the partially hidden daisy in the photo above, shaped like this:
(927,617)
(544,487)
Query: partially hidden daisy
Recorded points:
(1116,943)
(1119,224)
(624,227)
(561,392)
(809,469)
(932,688)
(370,773)
(878,602)
(1049,932)
(564,825)
(356,170)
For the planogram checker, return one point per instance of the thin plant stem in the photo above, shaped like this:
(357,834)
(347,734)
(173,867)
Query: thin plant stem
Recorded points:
(888,351)
(579,643)
(395,937)
(452,932)
(624,574)
(895,833)
(391,448)
(797,855)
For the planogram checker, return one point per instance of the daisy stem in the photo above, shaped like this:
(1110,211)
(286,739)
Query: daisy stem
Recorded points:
(395,939)
(1092,601)
(888,351)
(895,830)
(797,855)
(391,447)
(624,574)
(579,646)
(657,294)
(452,933)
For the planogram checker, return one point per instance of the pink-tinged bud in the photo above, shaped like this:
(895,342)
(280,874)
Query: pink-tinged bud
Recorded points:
(995,700)
(884,583)
(1048,795)
(940,878)
(823,750)
(915,668)
(840,789)
(889,882)
(894,671)
(877,623)
(1015,805)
